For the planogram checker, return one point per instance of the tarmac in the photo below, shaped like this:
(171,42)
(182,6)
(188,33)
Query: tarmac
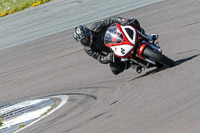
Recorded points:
(163,100)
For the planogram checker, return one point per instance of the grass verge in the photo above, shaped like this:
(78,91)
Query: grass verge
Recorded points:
(1,123)
(21,126)
(45,113)
(52,107)
(12,6)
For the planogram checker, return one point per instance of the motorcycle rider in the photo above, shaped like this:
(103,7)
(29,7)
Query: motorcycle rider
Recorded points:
(93,41)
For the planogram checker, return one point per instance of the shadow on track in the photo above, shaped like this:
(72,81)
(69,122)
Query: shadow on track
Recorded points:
(156,70)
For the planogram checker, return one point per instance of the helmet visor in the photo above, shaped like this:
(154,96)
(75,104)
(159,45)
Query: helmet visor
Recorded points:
(85,41)
(78,34)
(83,35)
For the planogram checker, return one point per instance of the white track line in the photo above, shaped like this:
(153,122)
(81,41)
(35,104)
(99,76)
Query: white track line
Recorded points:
(64,100)
(20,105)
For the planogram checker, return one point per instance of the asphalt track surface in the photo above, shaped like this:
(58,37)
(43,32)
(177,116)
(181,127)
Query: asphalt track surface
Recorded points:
(156,101)
(59,15)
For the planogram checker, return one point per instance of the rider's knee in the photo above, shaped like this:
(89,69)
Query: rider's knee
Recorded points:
(116,72)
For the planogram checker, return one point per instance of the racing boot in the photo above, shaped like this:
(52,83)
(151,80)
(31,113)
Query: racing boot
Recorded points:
(127,64)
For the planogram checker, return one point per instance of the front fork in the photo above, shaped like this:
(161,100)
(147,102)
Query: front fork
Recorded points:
(144,61)
(142,47)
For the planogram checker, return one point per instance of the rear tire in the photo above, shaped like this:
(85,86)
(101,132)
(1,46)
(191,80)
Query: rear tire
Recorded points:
(158,57)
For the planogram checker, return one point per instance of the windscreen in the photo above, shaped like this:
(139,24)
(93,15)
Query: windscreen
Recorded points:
(113,35)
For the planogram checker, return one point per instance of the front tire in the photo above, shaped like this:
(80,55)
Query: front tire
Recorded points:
(158,57)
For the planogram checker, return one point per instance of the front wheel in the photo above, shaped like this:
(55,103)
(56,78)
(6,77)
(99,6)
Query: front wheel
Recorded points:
(158,57)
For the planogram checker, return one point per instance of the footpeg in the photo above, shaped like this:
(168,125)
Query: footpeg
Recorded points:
(138,69)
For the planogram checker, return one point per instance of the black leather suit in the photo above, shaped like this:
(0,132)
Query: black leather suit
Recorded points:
(99,51)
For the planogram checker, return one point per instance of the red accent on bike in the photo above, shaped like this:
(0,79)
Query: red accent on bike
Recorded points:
(141,49)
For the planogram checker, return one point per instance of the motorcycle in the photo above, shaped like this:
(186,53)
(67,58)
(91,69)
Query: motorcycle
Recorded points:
(129,44)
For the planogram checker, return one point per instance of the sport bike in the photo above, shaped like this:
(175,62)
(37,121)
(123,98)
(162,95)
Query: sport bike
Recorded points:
(129,44)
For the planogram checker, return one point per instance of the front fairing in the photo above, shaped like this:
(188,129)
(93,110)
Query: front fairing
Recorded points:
(121,39)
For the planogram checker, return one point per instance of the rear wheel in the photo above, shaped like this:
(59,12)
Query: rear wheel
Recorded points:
(158,57)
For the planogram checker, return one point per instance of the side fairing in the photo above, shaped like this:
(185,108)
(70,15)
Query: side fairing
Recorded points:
(130,33)
(122,50)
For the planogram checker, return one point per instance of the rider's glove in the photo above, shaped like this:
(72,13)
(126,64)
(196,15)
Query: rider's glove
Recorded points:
(111,57)
(123,21)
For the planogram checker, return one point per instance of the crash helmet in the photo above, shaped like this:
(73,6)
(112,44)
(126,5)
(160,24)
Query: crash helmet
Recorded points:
(83,35)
